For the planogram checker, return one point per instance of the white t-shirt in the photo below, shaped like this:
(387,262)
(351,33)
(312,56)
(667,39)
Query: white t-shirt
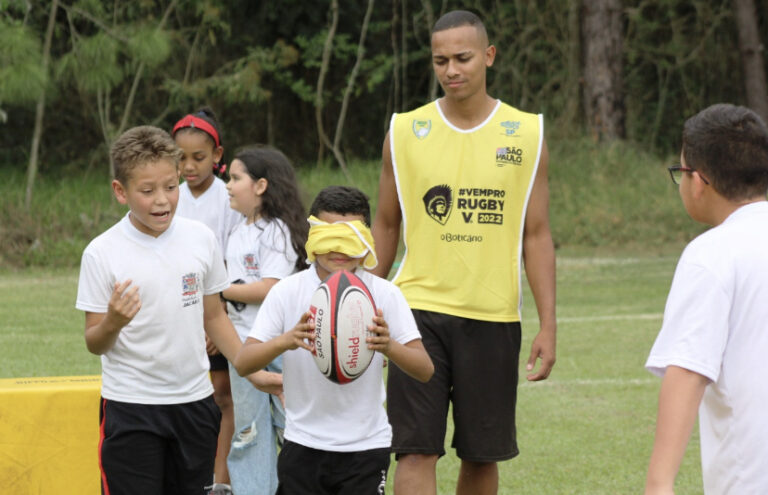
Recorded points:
(255,252)
(211,208)
(159,356)
(321,414)
(716,324)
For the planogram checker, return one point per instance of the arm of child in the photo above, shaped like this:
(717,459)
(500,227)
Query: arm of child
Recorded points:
(219,328)
(269,382)
(255,354)
(102,329)
(679,399)
(539,259)
(253,293)
(410,357)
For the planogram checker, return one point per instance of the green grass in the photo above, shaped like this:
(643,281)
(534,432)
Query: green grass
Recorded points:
(588,429)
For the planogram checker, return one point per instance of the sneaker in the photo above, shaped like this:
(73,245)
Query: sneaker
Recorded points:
(218,489)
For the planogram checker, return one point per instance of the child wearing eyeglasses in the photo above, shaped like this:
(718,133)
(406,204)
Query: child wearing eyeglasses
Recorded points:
(713,343)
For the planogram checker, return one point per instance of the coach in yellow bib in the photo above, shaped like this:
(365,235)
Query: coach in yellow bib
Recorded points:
(466,178)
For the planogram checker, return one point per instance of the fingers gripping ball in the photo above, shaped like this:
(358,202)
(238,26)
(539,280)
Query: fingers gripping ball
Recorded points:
(342,308)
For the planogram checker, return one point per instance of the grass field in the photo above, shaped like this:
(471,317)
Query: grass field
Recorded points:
(586,430)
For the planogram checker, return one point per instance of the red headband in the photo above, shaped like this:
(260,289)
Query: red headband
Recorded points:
(197,123)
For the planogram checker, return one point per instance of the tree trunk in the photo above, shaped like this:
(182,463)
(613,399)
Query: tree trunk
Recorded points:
(752,57)
(395,56)
(137,76)
(404,51)
(348,92)
(602,68)
(37,134)
(326,61)
(430,18)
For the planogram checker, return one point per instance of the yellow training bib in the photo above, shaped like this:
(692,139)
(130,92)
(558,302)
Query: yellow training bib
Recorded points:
(464,195)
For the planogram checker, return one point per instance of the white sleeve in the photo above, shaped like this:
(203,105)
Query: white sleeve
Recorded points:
(270,320)
(216,279)
(695,328)
(95,286)
(276,254)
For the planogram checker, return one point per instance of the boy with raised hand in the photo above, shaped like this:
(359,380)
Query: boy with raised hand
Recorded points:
(337,437)
(149,287)
(713,343)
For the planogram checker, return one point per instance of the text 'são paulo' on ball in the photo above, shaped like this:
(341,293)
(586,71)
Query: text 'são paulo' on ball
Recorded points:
(342,309)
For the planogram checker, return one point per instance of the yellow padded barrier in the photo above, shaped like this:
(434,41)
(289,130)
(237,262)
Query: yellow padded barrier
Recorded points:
(49,435)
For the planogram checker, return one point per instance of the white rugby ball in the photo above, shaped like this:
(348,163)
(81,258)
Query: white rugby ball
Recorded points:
(342,308)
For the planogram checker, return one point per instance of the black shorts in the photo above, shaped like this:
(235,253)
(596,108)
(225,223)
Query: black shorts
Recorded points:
(218,362)
(157,449)
(305,471)
(476,369)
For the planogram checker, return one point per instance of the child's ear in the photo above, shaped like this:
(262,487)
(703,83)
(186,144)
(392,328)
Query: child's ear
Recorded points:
(699,186)
(260,186)
(218,153)
(120,193)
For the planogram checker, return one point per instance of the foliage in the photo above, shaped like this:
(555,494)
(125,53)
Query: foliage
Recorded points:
(672,72)
(21,77)
(256,64)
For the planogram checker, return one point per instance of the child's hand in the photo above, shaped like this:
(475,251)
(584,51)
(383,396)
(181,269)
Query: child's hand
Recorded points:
(210,347)
(302,335)
(379,342)
(123,304)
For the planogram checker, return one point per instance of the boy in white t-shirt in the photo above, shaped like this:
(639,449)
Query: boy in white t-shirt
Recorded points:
(337,437)
(713,343)
(149,286)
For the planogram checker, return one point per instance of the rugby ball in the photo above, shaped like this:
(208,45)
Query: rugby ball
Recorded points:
(342,308)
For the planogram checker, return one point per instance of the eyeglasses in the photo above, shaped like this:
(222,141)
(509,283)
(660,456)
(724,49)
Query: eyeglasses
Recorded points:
(676,173)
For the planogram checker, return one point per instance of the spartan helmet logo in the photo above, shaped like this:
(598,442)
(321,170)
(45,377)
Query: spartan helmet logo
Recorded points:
(438,201)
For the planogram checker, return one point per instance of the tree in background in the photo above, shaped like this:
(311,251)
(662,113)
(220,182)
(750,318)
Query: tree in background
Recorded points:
(37,134)
(752,56)
(110,48)
(602,37)
(258,64)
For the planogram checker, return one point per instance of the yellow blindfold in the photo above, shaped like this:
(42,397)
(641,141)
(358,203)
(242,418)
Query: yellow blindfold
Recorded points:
(351,238)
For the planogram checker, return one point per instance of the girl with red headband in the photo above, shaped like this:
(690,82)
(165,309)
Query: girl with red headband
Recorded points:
(203,197)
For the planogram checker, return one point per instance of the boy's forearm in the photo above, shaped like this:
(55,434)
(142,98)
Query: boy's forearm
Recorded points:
(539,260)
(256,355)
(224,337)
(679,399)
(100,333)
(413,359)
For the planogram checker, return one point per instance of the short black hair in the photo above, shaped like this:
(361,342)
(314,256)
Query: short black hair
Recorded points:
(458,18)
(343,200)
(728,144)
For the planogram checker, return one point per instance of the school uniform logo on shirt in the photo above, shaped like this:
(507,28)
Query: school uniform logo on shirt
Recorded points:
(250,265)
(421,128)
(438,202)
(190,292)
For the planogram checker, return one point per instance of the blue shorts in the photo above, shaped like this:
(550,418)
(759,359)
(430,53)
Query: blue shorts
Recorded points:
(476,369)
